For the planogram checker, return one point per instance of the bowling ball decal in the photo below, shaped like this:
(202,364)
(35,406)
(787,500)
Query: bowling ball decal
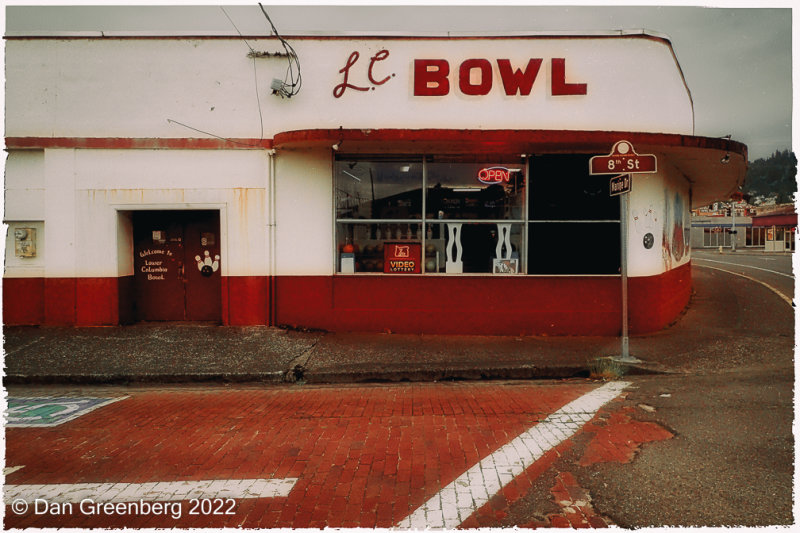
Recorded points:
(206,265)
(648,241)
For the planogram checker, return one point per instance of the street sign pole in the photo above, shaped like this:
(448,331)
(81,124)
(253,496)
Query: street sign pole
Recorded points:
(623,239)
(621,159)
(623,207)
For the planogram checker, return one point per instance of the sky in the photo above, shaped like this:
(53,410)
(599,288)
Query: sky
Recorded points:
(737,59)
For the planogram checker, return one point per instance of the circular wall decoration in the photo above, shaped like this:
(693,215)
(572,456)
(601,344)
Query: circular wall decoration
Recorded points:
(648,240)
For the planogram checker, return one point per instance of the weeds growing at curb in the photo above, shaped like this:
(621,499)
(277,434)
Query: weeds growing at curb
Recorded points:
(606,368)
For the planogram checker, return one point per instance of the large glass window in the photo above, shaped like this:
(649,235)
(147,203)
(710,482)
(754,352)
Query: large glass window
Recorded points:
(438,214)
(478,191)
(754,236)
(574,223)
(390,190)
(714,237)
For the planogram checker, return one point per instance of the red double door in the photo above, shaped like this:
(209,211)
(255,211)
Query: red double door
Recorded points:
(177,266)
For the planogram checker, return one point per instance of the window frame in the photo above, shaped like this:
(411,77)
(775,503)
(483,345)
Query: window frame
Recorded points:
(427,159)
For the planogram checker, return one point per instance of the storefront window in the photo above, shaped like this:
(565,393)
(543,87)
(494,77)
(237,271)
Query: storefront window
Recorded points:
(390,190)
(716,236)
(572,217)
(754,236)
(473,223)
(453,215)
(477,191)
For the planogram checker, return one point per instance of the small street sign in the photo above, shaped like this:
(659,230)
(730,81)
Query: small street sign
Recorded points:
(623,158)
(619,185)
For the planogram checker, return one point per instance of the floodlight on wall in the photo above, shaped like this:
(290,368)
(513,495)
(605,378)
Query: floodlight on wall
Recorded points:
(338,143)
(727,157)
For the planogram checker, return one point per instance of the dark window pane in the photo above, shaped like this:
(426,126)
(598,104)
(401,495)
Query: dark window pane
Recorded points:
(378,189)
(562,189)
(574,248)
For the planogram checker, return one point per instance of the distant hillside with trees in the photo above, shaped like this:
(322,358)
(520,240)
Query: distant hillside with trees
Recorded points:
(774,176)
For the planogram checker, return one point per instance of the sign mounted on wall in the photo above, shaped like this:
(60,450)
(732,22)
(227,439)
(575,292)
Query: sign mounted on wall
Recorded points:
(623,158)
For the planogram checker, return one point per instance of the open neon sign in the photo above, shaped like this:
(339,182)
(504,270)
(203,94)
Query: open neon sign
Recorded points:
(493,175)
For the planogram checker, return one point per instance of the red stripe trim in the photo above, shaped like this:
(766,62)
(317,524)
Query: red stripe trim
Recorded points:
(444,140)
(110,143)
(494,140)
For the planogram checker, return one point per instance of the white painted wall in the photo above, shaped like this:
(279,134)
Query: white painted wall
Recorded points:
(304,198)
(90,192)
(132,87)
(655,201)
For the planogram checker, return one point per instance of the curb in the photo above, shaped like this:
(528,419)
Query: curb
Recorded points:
(272,378)
(333,377)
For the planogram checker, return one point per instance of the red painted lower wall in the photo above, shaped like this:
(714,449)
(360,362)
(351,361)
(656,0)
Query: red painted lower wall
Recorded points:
(245,300)
(478,305)
(23,301)
(655,302)
(481,305)
(111,301)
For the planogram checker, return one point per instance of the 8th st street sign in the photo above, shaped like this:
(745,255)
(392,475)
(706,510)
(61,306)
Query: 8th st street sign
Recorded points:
(623,158)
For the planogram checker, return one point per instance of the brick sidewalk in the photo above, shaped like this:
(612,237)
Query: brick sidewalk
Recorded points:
(364,456)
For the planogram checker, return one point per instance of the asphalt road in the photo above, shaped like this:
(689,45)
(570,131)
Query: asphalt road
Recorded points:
(730,461)
(773,269)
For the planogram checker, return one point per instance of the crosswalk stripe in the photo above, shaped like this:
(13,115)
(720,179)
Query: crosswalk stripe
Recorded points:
(470,491)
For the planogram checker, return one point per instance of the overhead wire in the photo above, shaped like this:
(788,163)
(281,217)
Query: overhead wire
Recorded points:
(171,121)
(255,72)
(292,87)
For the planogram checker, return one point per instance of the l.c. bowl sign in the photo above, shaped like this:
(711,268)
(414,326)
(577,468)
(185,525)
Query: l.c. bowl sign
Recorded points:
(623,158)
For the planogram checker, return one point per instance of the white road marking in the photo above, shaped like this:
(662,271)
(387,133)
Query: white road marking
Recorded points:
(743,265)
(770,287)
(11,469)
(470,491)
(161,491)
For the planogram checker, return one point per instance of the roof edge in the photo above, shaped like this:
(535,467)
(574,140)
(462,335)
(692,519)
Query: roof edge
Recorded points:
(310,35)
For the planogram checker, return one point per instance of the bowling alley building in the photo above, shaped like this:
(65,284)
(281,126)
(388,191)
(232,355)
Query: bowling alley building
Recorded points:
(415,184)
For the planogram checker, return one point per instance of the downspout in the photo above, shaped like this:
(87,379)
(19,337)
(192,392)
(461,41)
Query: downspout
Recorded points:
(271,319)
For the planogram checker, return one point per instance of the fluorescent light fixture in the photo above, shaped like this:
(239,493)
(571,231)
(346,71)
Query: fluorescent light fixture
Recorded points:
(352,176)
(467,189)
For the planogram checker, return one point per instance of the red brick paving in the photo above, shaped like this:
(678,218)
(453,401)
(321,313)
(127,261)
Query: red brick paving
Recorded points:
(364,456)
(620,438)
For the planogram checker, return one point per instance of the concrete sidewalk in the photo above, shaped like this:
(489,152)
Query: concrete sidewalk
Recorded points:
(173,353)
(716,332)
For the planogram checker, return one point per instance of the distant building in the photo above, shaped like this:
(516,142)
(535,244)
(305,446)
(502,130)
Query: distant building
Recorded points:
(767,227)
